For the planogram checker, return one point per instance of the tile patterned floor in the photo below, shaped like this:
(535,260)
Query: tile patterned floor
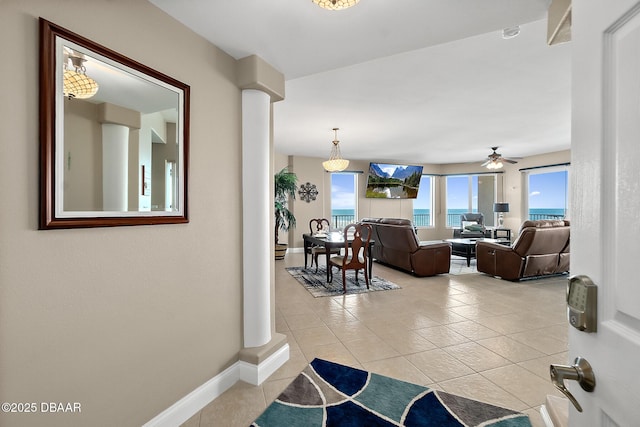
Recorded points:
(470,334)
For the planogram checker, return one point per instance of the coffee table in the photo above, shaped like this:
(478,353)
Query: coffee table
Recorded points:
(467,247)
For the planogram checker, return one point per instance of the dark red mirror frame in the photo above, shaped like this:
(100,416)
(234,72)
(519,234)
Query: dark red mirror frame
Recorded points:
(48,64)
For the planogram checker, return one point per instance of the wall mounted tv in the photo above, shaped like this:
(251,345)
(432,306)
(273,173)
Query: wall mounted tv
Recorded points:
(390,181)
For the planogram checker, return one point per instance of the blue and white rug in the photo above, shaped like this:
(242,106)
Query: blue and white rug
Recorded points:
(330,394)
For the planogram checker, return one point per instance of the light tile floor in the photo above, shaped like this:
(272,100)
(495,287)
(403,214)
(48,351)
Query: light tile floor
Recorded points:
(473,335)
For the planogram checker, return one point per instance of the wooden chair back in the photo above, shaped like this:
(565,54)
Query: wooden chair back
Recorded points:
(357,237)
(317,225)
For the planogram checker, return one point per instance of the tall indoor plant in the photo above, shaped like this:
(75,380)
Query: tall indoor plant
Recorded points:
(285,186)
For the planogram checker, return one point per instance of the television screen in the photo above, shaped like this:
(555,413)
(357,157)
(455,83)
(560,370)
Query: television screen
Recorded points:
(389,181)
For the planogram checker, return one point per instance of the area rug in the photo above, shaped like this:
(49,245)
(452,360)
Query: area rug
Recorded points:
(459,266)
(329,394)
(316,283)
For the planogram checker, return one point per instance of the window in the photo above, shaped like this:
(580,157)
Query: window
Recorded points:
(344,198)
(423,204)
(470,193)
(547,190)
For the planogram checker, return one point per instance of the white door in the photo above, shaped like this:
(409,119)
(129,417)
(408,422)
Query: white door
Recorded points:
(605,228)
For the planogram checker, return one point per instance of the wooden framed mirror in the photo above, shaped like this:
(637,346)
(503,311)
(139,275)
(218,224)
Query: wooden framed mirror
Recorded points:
(114,137)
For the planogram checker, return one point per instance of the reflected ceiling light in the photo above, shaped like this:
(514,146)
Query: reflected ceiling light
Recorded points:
(76,82)
(335,4)
(335,163)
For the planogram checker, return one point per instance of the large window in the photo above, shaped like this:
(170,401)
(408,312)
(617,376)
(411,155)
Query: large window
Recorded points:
(547,190)
(423,204)
(470,193)
(344,198)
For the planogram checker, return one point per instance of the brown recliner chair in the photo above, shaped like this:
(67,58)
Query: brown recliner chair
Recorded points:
(396,243)
(542,248)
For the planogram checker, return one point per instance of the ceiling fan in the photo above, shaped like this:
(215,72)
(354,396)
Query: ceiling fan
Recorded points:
(496,161)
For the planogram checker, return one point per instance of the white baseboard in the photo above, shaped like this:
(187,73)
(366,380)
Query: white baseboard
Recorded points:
(256,374)
(193,402)
(296,250)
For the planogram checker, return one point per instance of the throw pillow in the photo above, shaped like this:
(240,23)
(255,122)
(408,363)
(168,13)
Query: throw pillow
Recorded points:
(476,227)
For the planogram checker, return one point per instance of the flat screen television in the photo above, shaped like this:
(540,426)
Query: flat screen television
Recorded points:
(391,181)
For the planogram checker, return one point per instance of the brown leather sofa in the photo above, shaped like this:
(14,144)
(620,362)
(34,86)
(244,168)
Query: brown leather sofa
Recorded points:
(542,248)
(397,244)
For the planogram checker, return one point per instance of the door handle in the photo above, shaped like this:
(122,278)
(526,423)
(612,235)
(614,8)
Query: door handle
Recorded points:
(580,371)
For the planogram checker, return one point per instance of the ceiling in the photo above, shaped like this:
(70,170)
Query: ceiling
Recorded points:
(425,81)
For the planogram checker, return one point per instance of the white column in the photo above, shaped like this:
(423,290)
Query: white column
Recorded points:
(256,217)
(115,163)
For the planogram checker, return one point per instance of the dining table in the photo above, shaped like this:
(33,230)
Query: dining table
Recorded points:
(330,241)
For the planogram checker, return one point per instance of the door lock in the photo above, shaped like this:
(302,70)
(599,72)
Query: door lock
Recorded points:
(580,371)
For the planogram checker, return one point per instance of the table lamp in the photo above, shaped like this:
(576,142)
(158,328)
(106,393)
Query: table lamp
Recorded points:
(501,208)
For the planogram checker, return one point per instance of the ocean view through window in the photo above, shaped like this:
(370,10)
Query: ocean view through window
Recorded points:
(423,204)
(470,193)
(344,198)
(548,193)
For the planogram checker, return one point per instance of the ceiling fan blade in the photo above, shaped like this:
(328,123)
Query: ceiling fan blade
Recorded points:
(486,163)
(509,160)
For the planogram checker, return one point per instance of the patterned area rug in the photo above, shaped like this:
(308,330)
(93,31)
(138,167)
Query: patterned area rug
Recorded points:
(316,283)
(459,265)
(329,394)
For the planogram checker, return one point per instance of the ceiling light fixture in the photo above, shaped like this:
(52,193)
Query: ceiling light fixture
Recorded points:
(335,163)
(335,4)
(495,164)
(510,32)
(76,82)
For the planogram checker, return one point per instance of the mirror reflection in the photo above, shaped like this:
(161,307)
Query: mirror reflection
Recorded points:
(116,146)
(120,138)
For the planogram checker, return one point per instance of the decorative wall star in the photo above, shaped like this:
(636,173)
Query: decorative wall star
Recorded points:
(308,192)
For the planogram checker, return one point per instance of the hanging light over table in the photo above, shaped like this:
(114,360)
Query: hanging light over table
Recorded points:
(335,4)
(335,163)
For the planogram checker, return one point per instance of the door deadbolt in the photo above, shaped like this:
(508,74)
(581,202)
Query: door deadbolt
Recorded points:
(580,371)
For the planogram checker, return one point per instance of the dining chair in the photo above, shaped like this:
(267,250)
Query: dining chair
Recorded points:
(319,225)
(356,256)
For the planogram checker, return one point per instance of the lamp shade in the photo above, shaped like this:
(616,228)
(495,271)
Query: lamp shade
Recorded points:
(501,207)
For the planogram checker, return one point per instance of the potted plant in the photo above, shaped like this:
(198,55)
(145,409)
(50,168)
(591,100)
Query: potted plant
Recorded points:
(285,186)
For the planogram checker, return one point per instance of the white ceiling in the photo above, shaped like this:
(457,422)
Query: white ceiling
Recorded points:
(421,81)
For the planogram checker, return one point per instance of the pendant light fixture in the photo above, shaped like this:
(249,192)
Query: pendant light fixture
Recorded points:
(336,4)
(335,163)
(76,82)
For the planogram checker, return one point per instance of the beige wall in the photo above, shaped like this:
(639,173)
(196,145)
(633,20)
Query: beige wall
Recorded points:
(124,320)
(509,189)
